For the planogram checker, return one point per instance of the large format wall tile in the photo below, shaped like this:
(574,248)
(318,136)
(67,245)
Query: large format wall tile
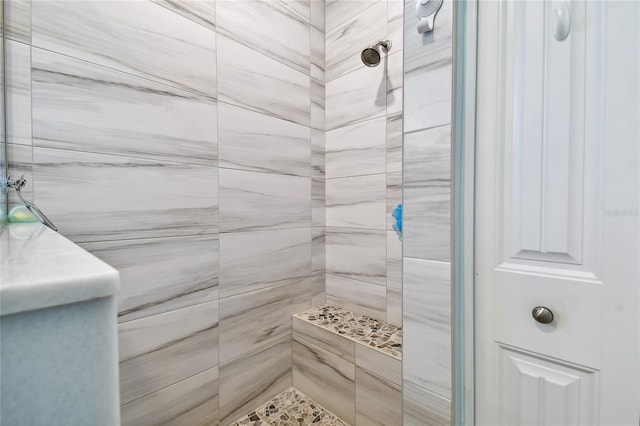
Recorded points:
(18,20)
(357,96)
(95,197)
(423,407)
(255,201)
(318,104)
(427,324)
(254,260)
(345,41)
(324,377)
(188,402)
(161,274)
(358,296)
(84,107)
(380,363)
(18,92)
(252,141)
(317,52)
(252,379)
(324,339)
(356,150)
(395,22)
(427,194)
(428,75)
(378,401)
(338,11)
(163,349)
(153,42)
(272,27)
(254,321)
(358,202)
(358,254)
(255,81)
(200,11)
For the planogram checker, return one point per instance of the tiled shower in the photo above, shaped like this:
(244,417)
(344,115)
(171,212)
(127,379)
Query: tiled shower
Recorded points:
(238,164)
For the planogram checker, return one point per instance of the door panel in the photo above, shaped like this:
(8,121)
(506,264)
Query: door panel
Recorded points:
(555,127)
(541,391)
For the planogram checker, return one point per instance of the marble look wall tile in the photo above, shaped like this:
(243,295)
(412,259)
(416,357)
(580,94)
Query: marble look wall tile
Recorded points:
(18,94)
(163,349)
(161,274)
(358,202)
(394,261)
(318,255)
(252,379)
(378,401)
(91,196)
(357,96)
(317,13)
(251,261)
(318,146)
(137,37)
(325,339)
(317,54)
(379,363)
(338,11)
(423,407)
(318,103)
(394,196)
(318,202)
(358,296)
(346,40)
(252,141)
(254,321)
(256,201)
(394,143)
(324,377)
(395,83)
(201,11)
(189,402)
(255,81)
(356,150)
(428,72)
(18,20)
(84,107)
(268,26)
(394,306)
(427,194)
(318,290)
(395,21)
(427,324)
(358,254)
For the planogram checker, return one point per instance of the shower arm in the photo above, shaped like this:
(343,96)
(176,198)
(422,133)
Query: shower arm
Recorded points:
(18,185)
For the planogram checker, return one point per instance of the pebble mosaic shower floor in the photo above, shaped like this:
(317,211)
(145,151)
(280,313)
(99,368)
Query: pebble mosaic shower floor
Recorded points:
(290,408)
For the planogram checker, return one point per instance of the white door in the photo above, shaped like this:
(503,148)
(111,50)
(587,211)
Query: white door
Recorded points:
(557,213)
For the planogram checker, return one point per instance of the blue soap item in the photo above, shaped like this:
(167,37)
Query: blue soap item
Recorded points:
(397,215)
(21,214)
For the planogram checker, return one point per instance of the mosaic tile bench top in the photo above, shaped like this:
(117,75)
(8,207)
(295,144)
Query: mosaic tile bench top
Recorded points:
(290,408)
(374,333)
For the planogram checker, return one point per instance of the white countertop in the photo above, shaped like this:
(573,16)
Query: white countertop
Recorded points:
(40,268)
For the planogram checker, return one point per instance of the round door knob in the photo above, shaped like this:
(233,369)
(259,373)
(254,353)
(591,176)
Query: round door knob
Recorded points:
(542,315)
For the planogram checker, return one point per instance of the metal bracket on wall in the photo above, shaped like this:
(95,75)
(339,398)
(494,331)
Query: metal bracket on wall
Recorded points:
(18,185)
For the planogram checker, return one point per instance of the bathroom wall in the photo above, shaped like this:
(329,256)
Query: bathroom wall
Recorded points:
(183,143)
(427,196)
(363,158)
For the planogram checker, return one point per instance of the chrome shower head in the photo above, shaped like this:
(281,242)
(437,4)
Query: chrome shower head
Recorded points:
(371,55)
